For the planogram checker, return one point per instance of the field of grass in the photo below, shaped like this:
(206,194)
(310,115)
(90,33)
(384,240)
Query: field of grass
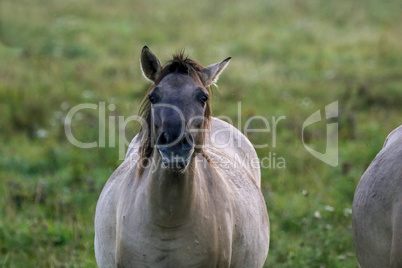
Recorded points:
(290,58)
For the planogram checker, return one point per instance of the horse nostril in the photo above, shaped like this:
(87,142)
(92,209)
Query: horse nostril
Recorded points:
(165,135)
(163,139)
(187,142)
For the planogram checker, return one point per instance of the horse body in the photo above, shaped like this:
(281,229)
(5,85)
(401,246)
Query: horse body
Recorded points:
(211,213)
(377,208)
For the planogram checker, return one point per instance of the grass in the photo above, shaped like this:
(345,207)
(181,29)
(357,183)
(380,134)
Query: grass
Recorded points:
(290,58)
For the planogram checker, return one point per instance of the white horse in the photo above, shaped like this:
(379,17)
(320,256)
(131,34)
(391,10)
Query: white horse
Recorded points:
(377,208)
(188,193)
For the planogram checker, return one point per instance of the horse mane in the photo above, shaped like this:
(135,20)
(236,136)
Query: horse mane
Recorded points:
(181,64)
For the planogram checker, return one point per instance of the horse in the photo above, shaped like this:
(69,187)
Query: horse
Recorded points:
(377,208)
(188,192)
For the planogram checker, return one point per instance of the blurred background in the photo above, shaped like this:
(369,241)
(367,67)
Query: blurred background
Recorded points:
(290,58)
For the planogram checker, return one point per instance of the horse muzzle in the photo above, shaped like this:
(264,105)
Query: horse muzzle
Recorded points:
(175,152)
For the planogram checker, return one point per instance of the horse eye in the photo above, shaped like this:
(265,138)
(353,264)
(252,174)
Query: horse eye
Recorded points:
(204,98)
(151,98)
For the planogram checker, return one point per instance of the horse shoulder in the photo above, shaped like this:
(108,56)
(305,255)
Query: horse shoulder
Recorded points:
(231,148)
(238,167)
(241,223)
(107,213)
(377,206)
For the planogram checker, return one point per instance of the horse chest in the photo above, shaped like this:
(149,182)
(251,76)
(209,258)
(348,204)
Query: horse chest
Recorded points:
(180,248)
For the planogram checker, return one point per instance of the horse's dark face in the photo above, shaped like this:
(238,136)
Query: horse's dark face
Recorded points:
(178,105)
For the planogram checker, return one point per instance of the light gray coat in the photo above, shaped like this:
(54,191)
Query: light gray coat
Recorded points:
(377,208)
(211,215)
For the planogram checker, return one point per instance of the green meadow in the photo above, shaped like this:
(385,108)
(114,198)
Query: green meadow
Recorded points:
(289,59)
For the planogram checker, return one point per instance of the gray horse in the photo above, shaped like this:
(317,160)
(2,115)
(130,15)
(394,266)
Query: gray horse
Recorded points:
(188,193)
(377,208)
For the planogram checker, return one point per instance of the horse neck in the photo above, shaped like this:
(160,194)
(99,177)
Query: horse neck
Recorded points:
(171,194)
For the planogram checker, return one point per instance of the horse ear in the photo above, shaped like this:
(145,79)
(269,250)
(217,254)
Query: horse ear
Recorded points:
(212,72)
(150,64)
